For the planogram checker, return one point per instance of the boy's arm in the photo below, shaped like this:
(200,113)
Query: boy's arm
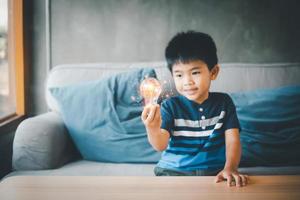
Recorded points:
(233,156)
(158,138)
(233,149)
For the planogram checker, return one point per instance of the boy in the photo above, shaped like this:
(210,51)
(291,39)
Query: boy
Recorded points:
(198,131)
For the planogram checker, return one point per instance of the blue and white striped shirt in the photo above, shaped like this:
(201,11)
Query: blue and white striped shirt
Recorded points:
(197,132)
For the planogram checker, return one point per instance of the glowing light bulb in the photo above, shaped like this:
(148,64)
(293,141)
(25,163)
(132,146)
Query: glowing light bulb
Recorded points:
(150,89)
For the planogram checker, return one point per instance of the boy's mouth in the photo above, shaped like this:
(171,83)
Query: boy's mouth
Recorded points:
(190,91)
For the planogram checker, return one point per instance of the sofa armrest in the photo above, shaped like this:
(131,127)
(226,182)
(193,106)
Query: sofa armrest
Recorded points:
(42,142)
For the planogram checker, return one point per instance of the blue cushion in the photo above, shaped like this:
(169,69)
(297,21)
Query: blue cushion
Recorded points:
(270,123)
(103,119)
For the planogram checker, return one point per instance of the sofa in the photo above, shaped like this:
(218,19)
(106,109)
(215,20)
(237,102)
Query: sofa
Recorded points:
(43,144)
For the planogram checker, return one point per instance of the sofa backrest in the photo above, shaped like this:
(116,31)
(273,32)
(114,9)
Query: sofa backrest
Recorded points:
(233,77)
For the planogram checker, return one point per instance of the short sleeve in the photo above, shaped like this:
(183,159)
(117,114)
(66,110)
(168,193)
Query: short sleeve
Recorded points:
(167,116)
(231,119)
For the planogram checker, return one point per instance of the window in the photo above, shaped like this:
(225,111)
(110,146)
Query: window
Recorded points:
(7,100)
(11,59)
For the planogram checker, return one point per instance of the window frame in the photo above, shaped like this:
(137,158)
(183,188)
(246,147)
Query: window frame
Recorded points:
(16,60)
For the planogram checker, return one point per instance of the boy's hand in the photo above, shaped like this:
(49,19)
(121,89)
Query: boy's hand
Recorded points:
(233,177)
(151,116)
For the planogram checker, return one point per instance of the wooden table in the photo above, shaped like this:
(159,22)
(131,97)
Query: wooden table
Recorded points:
(144,188)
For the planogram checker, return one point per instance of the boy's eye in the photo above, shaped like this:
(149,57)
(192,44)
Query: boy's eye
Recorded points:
(178,75)
(197,72)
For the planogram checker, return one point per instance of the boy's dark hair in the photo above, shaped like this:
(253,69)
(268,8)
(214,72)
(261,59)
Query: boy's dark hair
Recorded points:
(189,46)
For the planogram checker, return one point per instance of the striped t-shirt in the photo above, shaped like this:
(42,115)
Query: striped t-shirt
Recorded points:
(197,132)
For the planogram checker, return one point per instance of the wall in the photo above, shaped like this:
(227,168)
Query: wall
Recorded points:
(35,55)
(138,30)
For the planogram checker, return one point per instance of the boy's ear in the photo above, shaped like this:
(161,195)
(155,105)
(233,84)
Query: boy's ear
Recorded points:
(214,72)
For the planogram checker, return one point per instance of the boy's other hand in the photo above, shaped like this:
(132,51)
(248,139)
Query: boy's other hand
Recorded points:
(233,177)
(151,116)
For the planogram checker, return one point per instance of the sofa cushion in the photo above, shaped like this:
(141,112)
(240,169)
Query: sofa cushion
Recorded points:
(234,77)
(270,123)
(91,168)
(103,118)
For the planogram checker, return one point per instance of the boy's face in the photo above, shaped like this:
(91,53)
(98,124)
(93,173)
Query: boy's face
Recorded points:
(192,79)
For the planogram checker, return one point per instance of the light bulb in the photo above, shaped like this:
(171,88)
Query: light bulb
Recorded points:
(150,89)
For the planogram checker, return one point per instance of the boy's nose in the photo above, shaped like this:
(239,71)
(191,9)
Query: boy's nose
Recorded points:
(188,81)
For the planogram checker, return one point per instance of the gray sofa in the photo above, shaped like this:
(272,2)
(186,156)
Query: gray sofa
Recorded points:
(42,145)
